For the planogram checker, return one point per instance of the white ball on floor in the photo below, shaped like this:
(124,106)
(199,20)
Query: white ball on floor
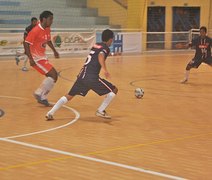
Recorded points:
(139,93)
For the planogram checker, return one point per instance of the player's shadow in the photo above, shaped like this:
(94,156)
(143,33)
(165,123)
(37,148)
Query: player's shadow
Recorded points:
(198,84)
(99,120)
(89,119)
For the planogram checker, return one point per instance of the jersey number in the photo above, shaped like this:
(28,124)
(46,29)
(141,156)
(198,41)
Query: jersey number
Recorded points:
(89,57)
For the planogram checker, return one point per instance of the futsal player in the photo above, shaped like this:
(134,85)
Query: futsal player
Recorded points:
(22,56)
(35,46)
(88,78)
(202,46)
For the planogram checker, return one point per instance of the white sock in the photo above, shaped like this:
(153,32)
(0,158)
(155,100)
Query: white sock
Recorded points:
(58,105)
(45,87)
(22,57)
(48,85)
(109,97)
(25,60)
(187,74)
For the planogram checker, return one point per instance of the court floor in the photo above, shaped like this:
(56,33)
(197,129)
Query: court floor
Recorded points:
(165,135)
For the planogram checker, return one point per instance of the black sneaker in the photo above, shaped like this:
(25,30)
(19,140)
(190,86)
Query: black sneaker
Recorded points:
(44,102)
(37,97)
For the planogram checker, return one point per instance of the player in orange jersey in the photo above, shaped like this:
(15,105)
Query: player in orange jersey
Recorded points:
(35,47)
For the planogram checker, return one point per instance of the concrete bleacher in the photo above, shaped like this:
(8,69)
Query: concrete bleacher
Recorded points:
(67,13)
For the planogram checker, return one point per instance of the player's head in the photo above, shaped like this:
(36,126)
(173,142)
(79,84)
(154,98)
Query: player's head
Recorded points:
(34,21)
(46,18)
(203,31)
(107,36)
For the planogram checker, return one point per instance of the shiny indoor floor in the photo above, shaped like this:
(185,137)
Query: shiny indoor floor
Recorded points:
(165,135)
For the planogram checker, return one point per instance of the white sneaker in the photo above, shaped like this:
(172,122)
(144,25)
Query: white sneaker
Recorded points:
(49,117)
(24,69)
(103,114)
(184,81)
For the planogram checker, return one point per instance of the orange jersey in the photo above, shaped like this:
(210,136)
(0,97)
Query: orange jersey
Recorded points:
(38,38)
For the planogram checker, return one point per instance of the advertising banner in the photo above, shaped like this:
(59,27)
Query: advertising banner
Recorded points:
(124,42)
(74,42)
(64,42)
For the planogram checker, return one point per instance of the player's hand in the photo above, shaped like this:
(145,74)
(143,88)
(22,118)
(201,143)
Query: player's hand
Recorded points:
(56,54)
(189,45)
(32,62)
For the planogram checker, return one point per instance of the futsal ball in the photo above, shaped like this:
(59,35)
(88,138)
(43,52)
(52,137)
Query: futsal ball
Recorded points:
(139,93)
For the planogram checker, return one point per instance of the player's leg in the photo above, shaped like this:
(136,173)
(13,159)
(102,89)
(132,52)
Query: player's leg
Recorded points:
(77,89)
(208,61)
(24,68)
(17,60)
(17,57)
(63,100)
(45,68)
(103,87)
(192,64)
(49,82)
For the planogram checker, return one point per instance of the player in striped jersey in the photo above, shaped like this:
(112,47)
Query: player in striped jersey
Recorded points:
(202,46)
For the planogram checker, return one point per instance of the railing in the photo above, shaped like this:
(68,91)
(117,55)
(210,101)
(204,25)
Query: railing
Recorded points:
(76,40)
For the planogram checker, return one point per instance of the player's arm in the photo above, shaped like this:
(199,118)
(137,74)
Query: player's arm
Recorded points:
(192,43)
(189,45)
(26,32)
(25,35)
(30,38)
(101,58)
(28,53)
(56,54)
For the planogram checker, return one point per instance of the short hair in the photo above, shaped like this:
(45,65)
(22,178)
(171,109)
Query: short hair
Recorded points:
(204,29)
(33,19)
(45,14)
(107,34)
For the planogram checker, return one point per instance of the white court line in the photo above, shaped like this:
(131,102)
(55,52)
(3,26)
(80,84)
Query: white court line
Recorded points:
(14,97)
(9,139)
(52,129)
(77,115)
(93,159)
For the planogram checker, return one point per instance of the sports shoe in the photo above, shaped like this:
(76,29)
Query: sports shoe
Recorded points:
(17,60)
(49,117)
(103,114)
(44,102)
(24,69)
(37,97)
(39,100)
(184,81)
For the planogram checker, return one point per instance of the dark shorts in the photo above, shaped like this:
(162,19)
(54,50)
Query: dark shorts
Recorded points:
(98,85)
(195,63)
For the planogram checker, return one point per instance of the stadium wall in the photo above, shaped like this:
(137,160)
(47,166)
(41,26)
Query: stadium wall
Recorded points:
(110,8)
(210,20)
(205,13)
